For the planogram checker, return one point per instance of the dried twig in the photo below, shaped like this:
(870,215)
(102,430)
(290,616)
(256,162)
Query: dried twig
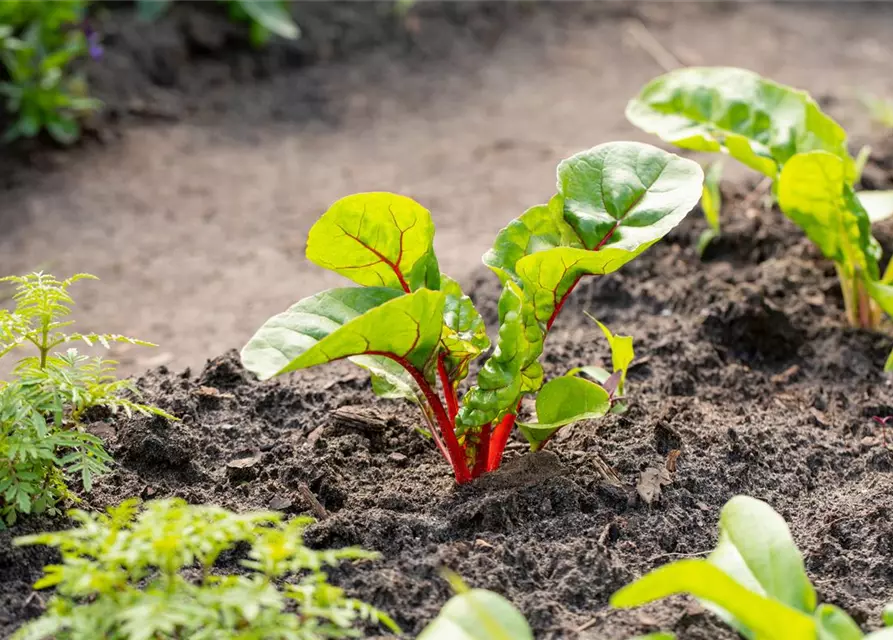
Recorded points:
(652,46)
(315,505)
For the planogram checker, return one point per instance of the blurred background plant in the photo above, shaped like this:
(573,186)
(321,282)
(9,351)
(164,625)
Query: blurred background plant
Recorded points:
(265,18)
(39,45)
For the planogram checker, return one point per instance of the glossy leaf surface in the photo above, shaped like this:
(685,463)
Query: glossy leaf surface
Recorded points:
(478,614)
(563,401)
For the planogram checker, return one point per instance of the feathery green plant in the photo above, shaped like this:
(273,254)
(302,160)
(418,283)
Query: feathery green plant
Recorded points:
(43,404)
(123,577)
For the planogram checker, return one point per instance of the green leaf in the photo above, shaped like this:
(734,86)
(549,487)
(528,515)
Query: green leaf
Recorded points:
(64,130)
(833,623)
(757,121)
(151,10)
(563,401)
(538,229)
(711,204)
(766,618)
(877,204)
(512,369)
(340,323)
(888,615)
(464,333)
(596,373)
(627,195)
(813,192)
(622,353)
(272,15)
(377,239)
(389,379)
(756,548)
(478,614)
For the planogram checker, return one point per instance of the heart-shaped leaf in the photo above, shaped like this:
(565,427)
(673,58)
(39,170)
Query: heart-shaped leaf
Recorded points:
(377,239)
(478,614)
(757,121)
(340,323)
(766,618)
(563,401)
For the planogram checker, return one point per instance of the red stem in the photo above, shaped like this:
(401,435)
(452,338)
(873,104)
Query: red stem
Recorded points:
(449,391)
(457,455)
(483,453)
(498,441)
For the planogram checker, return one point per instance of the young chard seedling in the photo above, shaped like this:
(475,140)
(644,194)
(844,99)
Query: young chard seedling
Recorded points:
(413,328)
(754,581)
(782,133)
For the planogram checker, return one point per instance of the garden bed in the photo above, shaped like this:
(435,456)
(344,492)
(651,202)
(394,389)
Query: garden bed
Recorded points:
(743,365)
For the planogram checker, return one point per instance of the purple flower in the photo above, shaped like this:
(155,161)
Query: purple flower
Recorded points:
(94,42)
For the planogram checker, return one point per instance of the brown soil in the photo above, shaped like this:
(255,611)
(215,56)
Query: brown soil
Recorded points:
(743,366)
(743,361)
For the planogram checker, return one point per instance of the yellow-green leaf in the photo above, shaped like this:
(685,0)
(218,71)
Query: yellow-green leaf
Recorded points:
(478,614)
(563,401)
(377,239)
(768,619)
(340,323)
(833,623)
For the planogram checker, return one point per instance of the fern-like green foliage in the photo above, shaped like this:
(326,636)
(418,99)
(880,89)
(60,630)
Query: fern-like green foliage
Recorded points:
(124,576)
(42,405)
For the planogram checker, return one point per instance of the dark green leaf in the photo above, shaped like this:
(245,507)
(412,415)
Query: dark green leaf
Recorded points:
(563,401)
(377,239)
(64,130)
(757,121)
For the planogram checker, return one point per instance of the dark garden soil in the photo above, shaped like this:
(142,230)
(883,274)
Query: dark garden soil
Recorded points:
(743,366)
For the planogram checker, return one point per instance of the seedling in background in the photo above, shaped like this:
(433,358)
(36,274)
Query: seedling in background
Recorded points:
(122,576)
(782,133)
(711,204)
(881,110)
(412,327)
(754,581)
(42,439)
(883,422)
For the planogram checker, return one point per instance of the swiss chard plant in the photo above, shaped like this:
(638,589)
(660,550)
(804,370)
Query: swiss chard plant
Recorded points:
(754,581)
(413,328)
(147,573)
(782,133)
(42,438)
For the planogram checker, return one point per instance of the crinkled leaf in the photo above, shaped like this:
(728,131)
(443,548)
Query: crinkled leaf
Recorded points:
(833,623)
(766,618)
(756,548)
(464,333)
(478,614)
(340,323)
(813,192)
(512,369)
(563,401)
(877,204)
(538,229)
(757,121)
(271,15)
(377,239)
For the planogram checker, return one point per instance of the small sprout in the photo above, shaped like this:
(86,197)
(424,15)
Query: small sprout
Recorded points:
(754,580)
(883,422)
(417,333)
(711,204)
